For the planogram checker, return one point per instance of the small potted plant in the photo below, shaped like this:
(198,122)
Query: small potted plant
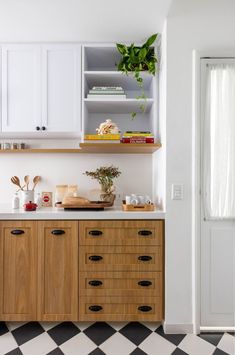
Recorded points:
(136,59)
(105,175)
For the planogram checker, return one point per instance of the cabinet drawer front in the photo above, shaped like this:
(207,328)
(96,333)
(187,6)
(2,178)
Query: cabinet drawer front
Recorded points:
(120,308)
(120,258)
(123,284)
(120,232)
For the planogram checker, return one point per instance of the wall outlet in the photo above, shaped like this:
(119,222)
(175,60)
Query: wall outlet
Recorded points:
(177,191)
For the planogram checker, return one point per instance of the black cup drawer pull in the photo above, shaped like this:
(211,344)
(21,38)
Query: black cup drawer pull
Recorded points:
(95,233)
(57,232)
(145,258)
(95,257)
(17,231)
(144,308)
(145,283)
(95,308)
(95,283)
(145,232)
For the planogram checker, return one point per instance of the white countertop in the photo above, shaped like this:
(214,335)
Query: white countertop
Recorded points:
(6,213)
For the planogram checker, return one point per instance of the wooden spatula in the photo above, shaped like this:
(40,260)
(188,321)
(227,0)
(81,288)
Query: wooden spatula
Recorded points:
(16,181)
(26,180)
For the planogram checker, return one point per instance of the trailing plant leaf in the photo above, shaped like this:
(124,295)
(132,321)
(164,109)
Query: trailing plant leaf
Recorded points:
(136,59)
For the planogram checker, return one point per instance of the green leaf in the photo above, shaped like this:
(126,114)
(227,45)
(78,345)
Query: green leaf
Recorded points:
(122,48)
(133,115)
(142,54)
(150,40)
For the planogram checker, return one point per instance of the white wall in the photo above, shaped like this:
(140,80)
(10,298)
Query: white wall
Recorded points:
(201,25)
(78,20)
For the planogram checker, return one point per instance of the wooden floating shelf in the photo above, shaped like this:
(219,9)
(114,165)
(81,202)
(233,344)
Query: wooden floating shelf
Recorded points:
(95,148)
(120,148)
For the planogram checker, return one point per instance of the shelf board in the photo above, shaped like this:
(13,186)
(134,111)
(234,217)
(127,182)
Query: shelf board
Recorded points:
(117,106)
(117,78)
(120,148)
(107,148)
(42,150)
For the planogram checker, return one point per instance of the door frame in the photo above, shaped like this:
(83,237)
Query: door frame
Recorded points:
(197,180)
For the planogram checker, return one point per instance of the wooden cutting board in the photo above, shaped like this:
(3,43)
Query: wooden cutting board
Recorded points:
(82,203)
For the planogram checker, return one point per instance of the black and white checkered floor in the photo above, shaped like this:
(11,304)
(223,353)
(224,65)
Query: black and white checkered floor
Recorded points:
(134,338)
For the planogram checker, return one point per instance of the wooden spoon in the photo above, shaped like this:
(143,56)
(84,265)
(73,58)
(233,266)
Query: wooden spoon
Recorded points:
(16,181)
(36,180)
(26,180)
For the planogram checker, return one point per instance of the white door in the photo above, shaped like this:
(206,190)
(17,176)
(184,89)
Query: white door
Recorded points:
(21,109)
(218,193)
(61,75)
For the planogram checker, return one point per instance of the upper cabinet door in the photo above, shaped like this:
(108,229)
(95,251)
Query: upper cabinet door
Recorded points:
(61,78)
(21,111)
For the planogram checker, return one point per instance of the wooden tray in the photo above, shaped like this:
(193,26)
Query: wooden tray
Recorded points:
(138,208)
(92,205)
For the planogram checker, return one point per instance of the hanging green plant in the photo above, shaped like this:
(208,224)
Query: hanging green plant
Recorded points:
(136,59)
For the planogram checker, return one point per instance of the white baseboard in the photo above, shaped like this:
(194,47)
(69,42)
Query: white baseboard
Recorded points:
(184,328)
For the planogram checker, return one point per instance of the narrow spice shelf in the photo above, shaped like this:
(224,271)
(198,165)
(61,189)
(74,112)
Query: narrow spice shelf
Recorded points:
(94,148)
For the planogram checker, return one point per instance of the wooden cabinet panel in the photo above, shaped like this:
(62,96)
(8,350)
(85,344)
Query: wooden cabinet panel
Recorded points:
(120,308)
(58,270)
(112,258)
(123,284)
(18,270)
(131,233)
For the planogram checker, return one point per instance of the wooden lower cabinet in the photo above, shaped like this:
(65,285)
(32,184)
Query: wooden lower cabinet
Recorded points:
(58,270)
(18,271)
(81,270)
(121,270)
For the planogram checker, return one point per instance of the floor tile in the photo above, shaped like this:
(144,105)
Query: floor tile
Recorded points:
(219,352)
(155,341)
(56,351)
(138,351)
(48,325)
(63,332)
(117,344)
(117,325)
(178,351)
(7,343)
(227,344)
(16,351)
(194,345)
(40,345)
(97,351)
(173,338)
(80,344)
(99,332)
(13,325)
(213,338)
(135,332)
(27,332)
(151,325)
(83,325)
(3,328)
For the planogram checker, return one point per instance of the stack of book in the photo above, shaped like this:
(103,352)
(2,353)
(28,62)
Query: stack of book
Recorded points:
(137,137)
(102,138)
(106,92)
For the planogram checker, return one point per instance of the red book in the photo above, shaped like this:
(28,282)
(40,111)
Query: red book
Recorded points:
(135,140)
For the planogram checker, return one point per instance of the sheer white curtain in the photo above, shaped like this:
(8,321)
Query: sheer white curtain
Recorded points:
(219,142)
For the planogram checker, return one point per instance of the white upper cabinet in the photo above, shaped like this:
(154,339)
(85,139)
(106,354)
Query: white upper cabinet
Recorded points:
(61,73)
(21,111)
(41,89)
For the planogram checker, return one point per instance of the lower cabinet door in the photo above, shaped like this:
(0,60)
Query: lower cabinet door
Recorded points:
(18,270)
(58,270)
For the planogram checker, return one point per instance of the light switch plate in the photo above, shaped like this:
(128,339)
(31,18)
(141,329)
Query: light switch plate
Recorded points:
(177,191)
